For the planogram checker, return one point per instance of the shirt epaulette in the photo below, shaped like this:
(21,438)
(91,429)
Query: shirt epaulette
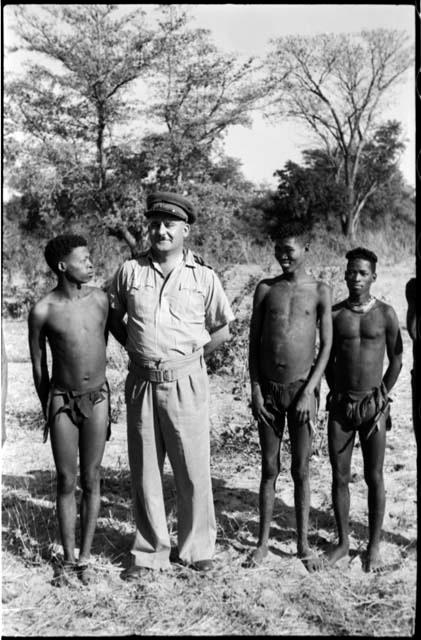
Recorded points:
(199,260)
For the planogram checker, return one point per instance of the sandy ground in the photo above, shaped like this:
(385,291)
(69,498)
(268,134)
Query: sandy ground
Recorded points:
(26,461)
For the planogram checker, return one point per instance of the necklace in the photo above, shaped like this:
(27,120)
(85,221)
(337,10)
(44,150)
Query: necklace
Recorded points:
(361,307)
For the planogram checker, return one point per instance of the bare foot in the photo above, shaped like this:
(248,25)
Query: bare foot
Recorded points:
(64,574)
(312,562)
(372,561)
(336,553)
(256,558)
(84,573)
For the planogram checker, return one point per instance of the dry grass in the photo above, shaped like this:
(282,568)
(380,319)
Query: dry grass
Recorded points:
(279,598)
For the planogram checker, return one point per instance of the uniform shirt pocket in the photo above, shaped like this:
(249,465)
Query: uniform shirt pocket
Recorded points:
(188,304)
(141,301)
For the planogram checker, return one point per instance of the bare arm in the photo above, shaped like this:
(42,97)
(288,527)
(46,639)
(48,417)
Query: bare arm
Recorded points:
(38,351)
(393,349)
(117,326)
(324,313)
(411,314)
(217,338)
(257,400)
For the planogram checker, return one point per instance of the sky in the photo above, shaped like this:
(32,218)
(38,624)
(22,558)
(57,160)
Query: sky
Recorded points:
(246,29)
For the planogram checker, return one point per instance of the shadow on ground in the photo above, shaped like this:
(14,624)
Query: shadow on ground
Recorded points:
(30,525)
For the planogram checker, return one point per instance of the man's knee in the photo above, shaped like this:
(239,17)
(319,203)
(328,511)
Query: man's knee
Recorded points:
(66,482)
(300,471)
(90,479)
(270,468)
(373,476)
(341,477)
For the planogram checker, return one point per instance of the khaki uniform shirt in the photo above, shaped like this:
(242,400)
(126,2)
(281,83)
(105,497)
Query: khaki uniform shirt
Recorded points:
(168,317)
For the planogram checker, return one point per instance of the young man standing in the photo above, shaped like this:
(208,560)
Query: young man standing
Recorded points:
(177,312)
(363,329)
(75,402)
(411,325)
(285,376)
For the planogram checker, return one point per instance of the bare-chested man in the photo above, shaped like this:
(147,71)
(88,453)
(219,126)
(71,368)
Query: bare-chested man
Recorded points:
(363,329)
(75,402)
(285,377)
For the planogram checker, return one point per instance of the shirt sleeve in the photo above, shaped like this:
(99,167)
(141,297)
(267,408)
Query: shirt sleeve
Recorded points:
(117,289)
(218,311)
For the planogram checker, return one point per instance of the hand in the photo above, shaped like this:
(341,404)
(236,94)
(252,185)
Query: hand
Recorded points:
(259,410)
(304,407)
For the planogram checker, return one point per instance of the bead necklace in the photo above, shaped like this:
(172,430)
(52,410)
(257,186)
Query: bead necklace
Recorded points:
(361,307)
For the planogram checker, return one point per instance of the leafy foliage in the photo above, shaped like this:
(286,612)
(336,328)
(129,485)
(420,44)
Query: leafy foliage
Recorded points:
(336,85)
(316,191)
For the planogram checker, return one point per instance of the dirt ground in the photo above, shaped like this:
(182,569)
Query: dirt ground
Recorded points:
(31,606)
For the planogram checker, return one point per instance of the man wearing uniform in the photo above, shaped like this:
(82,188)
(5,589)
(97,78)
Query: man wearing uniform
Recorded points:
(177,312)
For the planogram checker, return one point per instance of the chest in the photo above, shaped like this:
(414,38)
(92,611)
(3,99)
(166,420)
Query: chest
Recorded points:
(285,302)
(349,325)
(73,321)
(152,296)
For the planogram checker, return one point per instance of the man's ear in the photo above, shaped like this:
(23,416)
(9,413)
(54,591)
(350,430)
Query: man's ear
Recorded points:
(306,246)
(186,229)
(374,276)
(61,266)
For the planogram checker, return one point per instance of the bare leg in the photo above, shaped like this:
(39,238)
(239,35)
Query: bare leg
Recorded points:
(270,444)
(373,451)
(341,444)
(91,447)
(300,438)
(64,442)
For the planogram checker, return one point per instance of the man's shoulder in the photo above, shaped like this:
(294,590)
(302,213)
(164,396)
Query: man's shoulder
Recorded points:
(41,307)
(98,294)
(385,308)
(267,283)
(199,261)
(338,306)
(133,264)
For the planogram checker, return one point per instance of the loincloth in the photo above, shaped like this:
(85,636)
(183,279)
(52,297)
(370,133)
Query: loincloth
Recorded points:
(78,405)
(360,410)
(280,398)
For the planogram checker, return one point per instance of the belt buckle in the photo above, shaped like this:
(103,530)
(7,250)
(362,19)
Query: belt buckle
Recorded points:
(166,375)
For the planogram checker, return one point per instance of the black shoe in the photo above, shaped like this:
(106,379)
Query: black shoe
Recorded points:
(202,565)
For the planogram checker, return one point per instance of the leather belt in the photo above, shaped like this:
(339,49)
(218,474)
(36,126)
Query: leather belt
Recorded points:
(164,370)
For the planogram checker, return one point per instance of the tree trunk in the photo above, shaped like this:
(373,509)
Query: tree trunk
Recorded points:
(350,203)
(100,148)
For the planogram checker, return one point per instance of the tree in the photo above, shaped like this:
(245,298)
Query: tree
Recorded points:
(315,192)
(198,92)
(336,85)
(70,106)
(72,109)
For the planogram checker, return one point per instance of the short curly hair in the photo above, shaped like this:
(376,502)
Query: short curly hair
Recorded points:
(293,229)
(363,254)
(59,247)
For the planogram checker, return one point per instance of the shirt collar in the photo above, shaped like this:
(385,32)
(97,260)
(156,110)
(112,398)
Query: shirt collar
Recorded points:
(188,258)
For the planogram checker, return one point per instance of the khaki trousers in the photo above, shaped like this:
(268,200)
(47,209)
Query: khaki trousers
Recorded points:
(170,418)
